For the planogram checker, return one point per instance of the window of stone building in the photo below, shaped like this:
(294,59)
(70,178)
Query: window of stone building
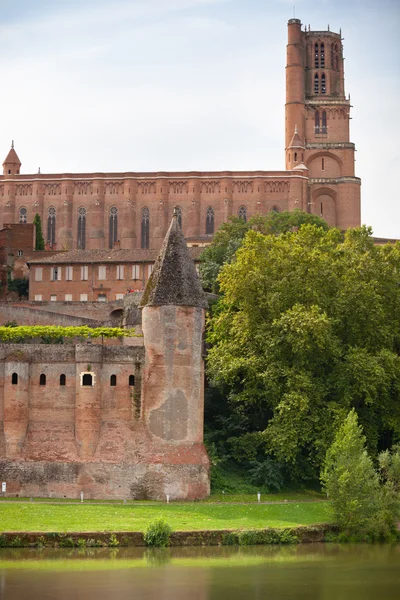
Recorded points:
(62,379)
(323,84)
(81,228)
(69,273)
(317,121)
(323,164)
(84,273)
(145,228)
(68,297)
(324,125)
(42,379)
(150,270)
(51,226)
(210,221)
(113,380)
(295,157)
(101,298)
(83,297)
(120,271)
(23,215)
(14,379)
(131,380)
(38,273)
(55,273)
(38,297)
(322,55)
(135,272)
(316,83)
(242,212)
(53,298)
(119,296)
(102,272)
(316,56)
(87,379)
(113,226)
(20,252)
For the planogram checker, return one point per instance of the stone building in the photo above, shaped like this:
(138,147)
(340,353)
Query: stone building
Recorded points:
(95,210)
(120,421)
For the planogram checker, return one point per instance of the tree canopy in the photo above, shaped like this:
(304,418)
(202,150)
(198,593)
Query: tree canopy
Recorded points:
(307,327)
(39,239)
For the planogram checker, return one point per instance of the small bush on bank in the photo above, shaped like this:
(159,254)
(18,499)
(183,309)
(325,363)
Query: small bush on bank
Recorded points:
(258,538)
(158,533)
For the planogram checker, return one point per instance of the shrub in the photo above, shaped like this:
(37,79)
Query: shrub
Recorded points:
(158,533)
(113,541)
(267,473)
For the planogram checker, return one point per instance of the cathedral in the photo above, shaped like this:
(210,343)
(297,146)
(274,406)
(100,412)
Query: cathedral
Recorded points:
(93,211)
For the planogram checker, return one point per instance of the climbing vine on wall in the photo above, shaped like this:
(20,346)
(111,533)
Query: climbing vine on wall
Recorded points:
(11,334)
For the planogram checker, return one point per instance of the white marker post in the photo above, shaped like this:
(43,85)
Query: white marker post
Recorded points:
(81,496)
(4,487)
(259,497)
(167,498)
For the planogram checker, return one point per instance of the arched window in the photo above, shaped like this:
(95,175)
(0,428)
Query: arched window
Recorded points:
(323,84)
(131,380)
(145,227)
(322,55)
(23,215)
(82,228)
(332,56)
(316,83)
(14,379)
(113,226)
(62,379)
(210,221)
(316,56)
(113,380)
(336,57)
(87,379)
(275,209)
(317,121)
(242,212)
(324,127)
(42,379)
(178,212)
(51,226)
(295,157)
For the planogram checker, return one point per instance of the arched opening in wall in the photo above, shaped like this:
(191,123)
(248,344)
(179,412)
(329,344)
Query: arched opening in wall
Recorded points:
(14,379)
(63,379)
(23,215)
(145,228)
(322,164)
(275,209)
(87,379)
(336,58)
(316,121)
(323,83)
(316,83)
(316,56)
(51,226)
(242,212)
(324,122)
(210,221)
(113,380)
(131,380)
(322,55)
(81,228)
(178,212)
(42,379)
(113,226)
(295,157)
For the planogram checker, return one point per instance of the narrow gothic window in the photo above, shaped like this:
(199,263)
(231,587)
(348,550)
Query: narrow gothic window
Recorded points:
(113,380)
(316,56)
(51,226)
(131,380)
(113,226)
(145,227)
(322,55)
(210,221)
(324,127)
(81,228)
(323,165)
(295,157)
(14,379)
(316,83)
(23,215)
(179,215)
(317,121)
(323,84)
(62,379)
(332,56)
(42,379)
(242,212)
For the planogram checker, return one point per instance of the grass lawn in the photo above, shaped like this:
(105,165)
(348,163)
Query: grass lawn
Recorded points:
(28,516)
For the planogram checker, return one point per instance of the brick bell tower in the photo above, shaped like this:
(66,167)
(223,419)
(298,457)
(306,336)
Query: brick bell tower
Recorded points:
(317,118)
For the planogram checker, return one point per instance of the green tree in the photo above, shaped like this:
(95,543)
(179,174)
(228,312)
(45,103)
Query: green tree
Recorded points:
(39,240)
(230,235)
(307,327)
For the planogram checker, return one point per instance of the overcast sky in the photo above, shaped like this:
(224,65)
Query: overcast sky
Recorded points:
(149,85)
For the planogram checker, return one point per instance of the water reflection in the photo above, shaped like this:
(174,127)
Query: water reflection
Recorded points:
(320,571)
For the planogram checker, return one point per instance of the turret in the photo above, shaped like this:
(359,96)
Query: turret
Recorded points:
(12,164)
(295,81)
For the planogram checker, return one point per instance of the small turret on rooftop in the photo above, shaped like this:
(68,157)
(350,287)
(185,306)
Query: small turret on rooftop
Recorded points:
(12,164)
(296,142)
(174,280)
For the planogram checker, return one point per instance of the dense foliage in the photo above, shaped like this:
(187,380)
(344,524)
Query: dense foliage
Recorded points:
(11,332)
(366,502)
(19,285)
(307,327)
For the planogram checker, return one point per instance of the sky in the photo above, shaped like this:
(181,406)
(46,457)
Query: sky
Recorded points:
(180,85)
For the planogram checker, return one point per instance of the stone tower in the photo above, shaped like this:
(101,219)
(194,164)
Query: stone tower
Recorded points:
(317,124)
(12,164)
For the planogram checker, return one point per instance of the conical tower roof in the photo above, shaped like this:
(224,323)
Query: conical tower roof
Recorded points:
(296,142)
(174,280)
(12,157)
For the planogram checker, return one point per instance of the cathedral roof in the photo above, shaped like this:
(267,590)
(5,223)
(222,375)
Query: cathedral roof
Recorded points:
(174,280)
(12,157)
(296,142)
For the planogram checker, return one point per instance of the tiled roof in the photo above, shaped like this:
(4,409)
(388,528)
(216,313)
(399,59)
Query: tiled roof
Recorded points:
(135,255)
(12,158)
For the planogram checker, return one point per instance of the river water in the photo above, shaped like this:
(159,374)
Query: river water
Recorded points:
(304,572)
